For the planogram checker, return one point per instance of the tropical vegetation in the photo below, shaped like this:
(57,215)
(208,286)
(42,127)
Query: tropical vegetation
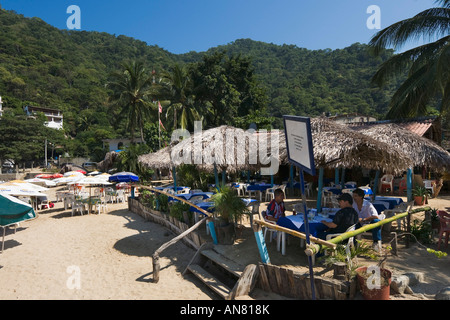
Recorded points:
(110,86)
(427,66)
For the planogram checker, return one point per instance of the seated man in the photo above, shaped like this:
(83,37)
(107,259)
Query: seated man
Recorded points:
(275,209)
(366,213)
(344,218)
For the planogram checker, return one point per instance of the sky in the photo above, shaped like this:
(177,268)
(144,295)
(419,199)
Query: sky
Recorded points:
(180,26)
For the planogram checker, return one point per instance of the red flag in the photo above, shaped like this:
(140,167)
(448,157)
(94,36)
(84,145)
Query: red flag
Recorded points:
(160,122)
(160,107)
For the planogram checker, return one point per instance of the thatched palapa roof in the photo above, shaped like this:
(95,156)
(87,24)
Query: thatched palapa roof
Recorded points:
(228,148)
(421,151)
(337,146)
(234,149)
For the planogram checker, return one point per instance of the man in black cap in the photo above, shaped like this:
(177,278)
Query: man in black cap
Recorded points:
(344,218)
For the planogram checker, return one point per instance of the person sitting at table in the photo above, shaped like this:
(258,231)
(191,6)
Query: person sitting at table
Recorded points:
(276,209)
(343,219)
(366,213)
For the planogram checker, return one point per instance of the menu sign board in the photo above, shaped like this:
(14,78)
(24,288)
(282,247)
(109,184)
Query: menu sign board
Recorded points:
(299,142)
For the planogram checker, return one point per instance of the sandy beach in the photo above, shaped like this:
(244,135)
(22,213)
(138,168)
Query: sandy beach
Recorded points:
(111,254)
(108,256)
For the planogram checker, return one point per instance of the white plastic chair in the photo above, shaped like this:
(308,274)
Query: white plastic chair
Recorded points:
(120,195)
(387,181)
(309,189)
(270,193)
(101,206)
(428,184)
(77,206)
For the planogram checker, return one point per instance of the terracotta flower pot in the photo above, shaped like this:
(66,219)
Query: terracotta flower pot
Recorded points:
(371,291)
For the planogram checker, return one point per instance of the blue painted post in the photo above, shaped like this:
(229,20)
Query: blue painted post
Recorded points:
(336,176)
(174,172)
(216,177)
(132,192)
(343,178)
(409,184)
(375,184)
(319,195)
(262,246)
(271,180)
(212,231)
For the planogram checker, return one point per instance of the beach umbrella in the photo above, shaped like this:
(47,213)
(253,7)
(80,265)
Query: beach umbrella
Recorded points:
(44,176)
(41,182)
(12,211)
(123,177)
(25,185)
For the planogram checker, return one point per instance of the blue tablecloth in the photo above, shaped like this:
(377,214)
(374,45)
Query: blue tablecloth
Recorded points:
(296,223)
(188,196)
(393,202)
(333,190)
(209,206)
(259,187)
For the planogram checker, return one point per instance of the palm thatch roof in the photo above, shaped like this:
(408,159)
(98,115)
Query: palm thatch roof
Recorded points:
(233,149)
(421,151)
(228,148)
(337,146)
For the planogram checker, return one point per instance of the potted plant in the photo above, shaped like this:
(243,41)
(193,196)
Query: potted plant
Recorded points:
(420,193)
(228,209)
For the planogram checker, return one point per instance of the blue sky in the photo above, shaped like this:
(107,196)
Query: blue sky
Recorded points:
(181,26)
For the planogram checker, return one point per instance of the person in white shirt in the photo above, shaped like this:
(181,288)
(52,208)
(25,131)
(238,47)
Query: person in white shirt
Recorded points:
(366,213)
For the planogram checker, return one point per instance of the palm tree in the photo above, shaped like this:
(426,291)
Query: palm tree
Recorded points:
(176,87)
(131,90)
(428,65)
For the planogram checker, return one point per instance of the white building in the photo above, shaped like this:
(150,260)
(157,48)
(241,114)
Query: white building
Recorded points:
(119,143)
(54,116)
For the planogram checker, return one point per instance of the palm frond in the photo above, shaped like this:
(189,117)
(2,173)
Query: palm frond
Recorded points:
(429,24)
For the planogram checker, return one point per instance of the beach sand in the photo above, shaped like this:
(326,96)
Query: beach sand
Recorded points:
(108,256)
(111,254)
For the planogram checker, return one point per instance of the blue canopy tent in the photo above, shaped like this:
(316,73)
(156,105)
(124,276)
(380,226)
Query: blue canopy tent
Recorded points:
(12,211)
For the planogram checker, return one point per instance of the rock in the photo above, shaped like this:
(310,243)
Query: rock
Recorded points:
(415,278)
(399,283)
(444,294)
(408,290)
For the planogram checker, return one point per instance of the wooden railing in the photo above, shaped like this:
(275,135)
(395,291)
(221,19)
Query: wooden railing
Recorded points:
(155,256)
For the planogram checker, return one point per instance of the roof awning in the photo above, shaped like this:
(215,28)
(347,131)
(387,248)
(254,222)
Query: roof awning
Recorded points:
(417,127)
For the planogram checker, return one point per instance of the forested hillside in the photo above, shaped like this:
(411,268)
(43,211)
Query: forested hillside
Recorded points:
(306,82)
(68,70)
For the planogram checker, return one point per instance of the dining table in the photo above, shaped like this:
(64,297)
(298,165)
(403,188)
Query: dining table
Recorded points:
(260,187)
(296,222)
(385,203)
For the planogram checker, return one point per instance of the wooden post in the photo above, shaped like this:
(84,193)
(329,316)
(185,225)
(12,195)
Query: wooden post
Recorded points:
(156,266)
